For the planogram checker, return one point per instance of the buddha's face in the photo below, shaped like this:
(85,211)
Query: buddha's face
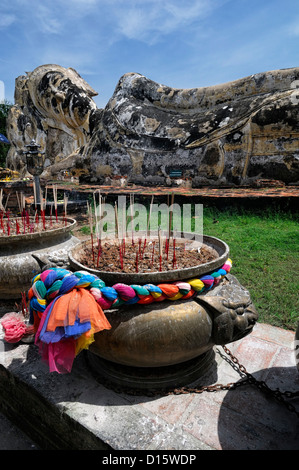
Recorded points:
(61,94)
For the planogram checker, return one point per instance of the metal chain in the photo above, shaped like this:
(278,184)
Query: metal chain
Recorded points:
(248,379)
(263,387)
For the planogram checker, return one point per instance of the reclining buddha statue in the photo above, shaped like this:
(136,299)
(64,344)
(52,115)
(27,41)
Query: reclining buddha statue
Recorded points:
(227,134)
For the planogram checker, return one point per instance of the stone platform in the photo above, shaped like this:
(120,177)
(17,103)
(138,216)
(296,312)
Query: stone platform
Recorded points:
(241,192)
(76,411)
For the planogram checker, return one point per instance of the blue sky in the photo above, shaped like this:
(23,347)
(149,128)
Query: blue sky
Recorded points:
(179,43)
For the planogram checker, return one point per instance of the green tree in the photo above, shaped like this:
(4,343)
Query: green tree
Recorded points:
(4,109)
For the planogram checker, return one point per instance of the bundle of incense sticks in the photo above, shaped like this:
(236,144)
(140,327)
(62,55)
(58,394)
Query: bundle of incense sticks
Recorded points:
(28,224)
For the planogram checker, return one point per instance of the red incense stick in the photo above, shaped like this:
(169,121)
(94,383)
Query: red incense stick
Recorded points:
(121,257)
(17,227)
(44,219)
(167,247)
(99,252)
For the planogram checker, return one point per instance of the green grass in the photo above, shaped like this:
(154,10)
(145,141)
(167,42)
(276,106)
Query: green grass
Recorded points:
(264,248)
(85,230)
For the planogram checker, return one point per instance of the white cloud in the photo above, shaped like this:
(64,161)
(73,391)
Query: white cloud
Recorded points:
(149,20)
(143,20)
(6,20)
(32,15)
(47,21)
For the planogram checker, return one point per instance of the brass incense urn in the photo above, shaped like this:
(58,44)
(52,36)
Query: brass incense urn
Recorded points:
(170,343)
(24,253)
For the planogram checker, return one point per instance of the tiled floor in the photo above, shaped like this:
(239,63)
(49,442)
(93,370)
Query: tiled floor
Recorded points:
(243,418)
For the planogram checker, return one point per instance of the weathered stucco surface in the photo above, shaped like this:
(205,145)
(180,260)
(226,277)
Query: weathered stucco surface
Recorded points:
(52,106)
(149,133)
